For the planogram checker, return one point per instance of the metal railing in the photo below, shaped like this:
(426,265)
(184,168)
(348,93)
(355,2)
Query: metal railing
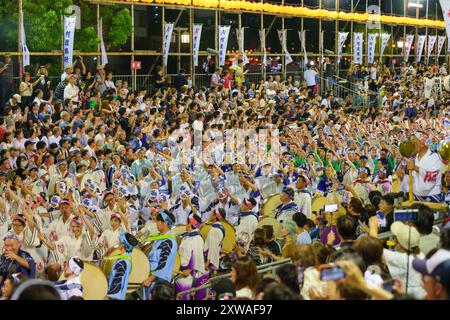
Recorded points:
(264,268)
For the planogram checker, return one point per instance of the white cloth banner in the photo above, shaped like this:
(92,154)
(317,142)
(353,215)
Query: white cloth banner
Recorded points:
(341,40)
(429,83)
(384,40)
(420,45)
(197,34)
(25,51)
(441,40)
(240,39)
(408,45)
(102,45)
(69,34)
(431,42)
(302,37)
(262,37)
(358,47)
(282,35)
(322,49)
(371,43)
(168,29)
(445,5)
(224,32)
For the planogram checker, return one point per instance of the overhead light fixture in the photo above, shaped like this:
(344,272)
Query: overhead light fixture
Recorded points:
(185,37)
(415,5)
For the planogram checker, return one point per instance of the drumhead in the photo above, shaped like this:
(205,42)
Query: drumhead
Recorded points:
(140,266)
(270,205)
(230,237)
(95,284)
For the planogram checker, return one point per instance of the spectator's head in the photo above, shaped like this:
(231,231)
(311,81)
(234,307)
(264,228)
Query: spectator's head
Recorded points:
(386,204)
(287,275)
(425,219)
(244,273)
(275,291)
(355,207)
(346,227)
(435,272)
(36,289)
(300,219)
(162,290)
(370,249)
(224,289)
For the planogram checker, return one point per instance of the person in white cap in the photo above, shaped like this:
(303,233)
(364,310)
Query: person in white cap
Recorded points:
(435,274)
(399,262)
(71,286)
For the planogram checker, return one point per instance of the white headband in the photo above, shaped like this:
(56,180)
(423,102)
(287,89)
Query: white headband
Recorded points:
(76,269)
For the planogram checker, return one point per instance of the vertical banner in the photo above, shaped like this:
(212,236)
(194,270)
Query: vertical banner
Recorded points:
(358,47)
(408,44)
(25,52)
(322,49)
(240,39)
(371,43)
(302,37)
(262,36)
(384,41)
(420,45)
(282,35)
(341,40)
(102,44)
(441,40)
(197,33)
(445,5)
(168,29)
(69,33)
(431,42)
(429,83)
(224,32)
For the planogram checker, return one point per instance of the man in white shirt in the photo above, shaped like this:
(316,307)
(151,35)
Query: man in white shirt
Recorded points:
(427,172)
(71,90)
(215,78)
(310,79)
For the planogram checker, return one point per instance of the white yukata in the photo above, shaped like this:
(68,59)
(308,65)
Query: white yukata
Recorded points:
(213,245)
(68,247)
(58,228)
(70,288)
(303,201)
(191,258)
(427,182)
(248,224)
(109,239)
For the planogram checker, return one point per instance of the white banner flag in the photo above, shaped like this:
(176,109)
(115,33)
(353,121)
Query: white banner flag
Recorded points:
(282,35)
(420,45)
(224,32)
(358,47)
(240,39)
(102,45)
(262,36)
(341,40)
(197,34)
(445,5)
(168,29)
(302,37)
(429,83)
(322,59)
(69,34)
(25,52)
(371,43)
(431,42)
(408,45)
(384,41)
(441,40)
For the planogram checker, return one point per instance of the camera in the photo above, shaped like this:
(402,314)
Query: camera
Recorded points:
(331,272)
(409,215)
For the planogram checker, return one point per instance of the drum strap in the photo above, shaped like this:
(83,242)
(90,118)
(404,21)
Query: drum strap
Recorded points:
(119,256)
(156,237)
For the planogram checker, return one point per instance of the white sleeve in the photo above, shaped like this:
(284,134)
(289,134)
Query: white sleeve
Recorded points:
(212,243)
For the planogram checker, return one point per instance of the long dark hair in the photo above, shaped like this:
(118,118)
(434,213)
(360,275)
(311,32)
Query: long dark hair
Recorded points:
(246,273)
(288,276)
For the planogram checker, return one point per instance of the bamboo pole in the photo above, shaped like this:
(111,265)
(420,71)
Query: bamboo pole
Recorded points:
(283,47)
(263,67)
(191,45)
